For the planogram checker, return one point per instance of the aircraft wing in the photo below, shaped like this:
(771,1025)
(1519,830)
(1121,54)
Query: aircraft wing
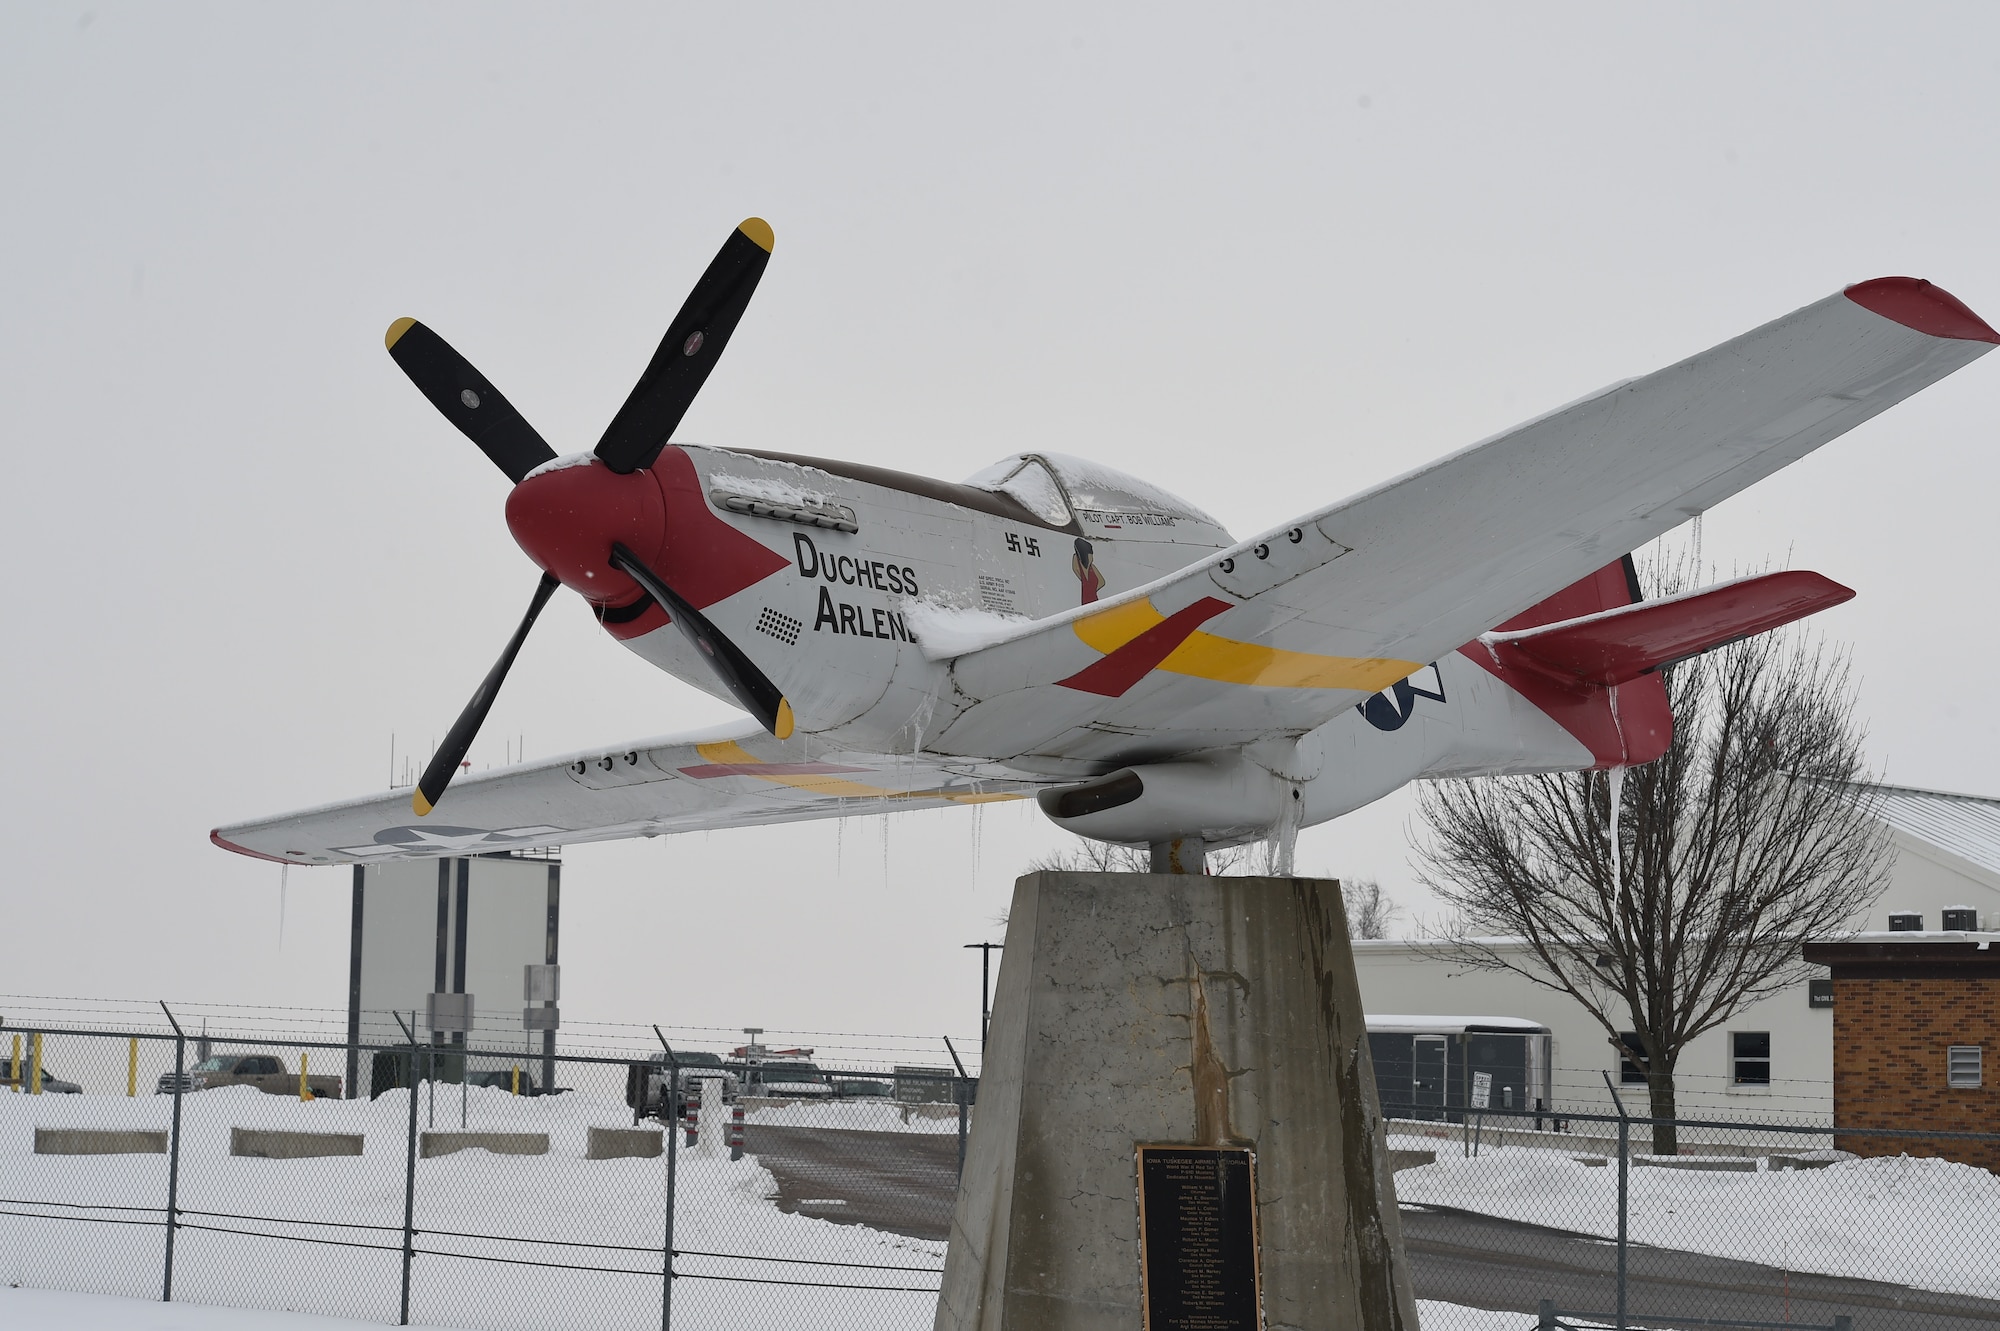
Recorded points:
(1284,631)
(729,776)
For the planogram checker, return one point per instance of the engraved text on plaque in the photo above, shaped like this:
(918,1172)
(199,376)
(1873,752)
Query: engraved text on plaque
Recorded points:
(1198,1239)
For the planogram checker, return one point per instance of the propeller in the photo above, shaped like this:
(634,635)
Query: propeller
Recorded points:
(444,763)
(688,352)
(631,443)
(751,687)
(468,399)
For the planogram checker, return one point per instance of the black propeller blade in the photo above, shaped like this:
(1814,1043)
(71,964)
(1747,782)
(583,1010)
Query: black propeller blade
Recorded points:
(468,399)
(688,352)
(751,687)
(452,752)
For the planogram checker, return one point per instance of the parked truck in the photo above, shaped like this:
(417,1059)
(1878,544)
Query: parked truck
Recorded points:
(645,1083)
(266,1072)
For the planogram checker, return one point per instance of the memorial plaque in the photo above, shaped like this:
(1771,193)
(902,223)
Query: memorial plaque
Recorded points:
(1198,1258)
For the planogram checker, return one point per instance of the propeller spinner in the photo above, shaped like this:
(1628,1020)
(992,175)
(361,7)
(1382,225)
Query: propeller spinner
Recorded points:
(585,522)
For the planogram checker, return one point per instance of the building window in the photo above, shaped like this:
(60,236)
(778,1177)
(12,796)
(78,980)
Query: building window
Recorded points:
(1632,1060)
(1961,1066)
(1750,1058)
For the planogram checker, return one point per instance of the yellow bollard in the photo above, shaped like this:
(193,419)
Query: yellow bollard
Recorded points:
(14,1068)
(35,1064)
(304,1094)
(517,1079)
(132,1069)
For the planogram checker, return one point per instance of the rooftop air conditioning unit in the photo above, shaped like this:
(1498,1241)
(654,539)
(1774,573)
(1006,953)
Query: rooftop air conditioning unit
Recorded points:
(1961,917)
(1906,922)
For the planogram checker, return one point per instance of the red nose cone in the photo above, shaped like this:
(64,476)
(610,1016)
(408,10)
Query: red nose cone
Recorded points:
(567,519)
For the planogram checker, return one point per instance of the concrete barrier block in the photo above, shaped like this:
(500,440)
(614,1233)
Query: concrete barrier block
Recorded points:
(1711,1164)
(623,1144)
(1400,1160)
(99,1141)
(269,1144)
(433,1144)
(1809,1159)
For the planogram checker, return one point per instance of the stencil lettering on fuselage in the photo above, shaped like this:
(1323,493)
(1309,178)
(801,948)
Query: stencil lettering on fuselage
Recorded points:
(1390,708)
(852,570)
(845,617)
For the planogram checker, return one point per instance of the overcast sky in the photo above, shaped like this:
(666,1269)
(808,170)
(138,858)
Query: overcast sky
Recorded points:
(1262,256)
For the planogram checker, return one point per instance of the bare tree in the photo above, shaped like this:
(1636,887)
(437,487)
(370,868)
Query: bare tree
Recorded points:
(1370,910)
(1739,844)
(1088,856)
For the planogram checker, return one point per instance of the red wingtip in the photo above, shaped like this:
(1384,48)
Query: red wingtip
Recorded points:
(216,837)
(1915,303)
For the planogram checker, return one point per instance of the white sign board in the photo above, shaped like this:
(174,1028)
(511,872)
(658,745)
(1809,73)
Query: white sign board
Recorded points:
(449,1012)
(1482,1090)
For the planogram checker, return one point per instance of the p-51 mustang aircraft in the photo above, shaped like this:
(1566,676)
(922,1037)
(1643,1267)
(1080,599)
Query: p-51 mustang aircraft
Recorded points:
(1057,629)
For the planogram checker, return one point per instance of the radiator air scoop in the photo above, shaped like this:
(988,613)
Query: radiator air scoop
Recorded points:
(1224,800)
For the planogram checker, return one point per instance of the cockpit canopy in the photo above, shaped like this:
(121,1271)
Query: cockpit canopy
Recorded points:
(1104,502)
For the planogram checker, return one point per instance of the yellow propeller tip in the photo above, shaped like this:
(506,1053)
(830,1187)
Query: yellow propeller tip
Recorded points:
(421,805)
(759,231)
(783,730)
(396,331)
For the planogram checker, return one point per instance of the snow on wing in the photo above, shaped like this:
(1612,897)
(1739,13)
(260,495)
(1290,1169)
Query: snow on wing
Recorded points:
(1327,609)
(731,776)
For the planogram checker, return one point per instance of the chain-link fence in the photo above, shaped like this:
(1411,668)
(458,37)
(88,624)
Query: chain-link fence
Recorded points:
(499,1189)
(1515,1217)
(478,1188)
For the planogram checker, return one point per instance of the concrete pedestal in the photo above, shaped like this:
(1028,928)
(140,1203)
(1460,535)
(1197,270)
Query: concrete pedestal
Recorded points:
(1145,1008)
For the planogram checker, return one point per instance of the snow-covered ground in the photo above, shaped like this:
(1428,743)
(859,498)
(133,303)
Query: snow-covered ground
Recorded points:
(606,1213)
(51,1310)
(865,1115)
(1928,1223)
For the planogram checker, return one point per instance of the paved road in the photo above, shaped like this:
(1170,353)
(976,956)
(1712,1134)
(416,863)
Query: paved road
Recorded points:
(1460,1257)
(905,1183)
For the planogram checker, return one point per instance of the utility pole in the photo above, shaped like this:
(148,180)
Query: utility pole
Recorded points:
(986,951)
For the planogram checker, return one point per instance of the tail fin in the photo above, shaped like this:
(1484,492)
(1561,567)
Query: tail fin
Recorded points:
(1622,724)
(1613,647)
(1588,656)
(1614,585)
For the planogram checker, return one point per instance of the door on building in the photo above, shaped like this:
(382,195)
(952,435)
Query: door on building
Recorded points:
(1427,1073)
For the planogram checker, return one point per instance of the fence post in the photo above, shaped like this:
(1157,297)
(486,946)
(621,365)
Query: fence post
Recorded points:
(958,1094)
(1545,1315)
(673,1171)
(409,1169)
(174,1156)
(1624,1189)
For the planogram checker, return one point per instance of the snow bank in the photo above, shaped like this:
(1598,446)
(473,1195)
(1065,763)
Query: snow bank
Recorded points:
(856,1115)
(559,1208)
(48,1310)
(1933,1224)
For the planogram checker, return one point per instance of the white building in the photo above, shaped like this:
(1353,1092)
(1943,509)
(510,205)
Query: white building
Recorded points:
(1772,1058)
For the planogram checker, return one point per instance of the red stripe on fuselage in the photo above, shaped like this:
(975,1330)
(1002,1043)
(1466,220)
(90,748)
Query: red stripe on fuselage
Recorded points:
(1125,666)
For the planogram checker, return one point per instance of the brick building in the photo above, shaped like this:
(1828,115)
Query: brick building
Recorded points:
(1916,1040)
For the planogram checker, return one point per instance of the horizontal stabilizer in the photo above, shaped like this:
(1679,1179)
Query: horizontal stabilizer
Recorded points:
(1614,646)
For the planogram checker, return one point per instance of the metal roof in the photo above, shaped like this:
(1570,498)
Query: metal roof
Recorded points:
(1967,826)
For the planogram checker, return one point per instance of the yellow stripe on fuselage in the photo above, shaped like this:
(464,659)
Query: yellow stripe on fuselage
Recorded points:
(1225,660)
